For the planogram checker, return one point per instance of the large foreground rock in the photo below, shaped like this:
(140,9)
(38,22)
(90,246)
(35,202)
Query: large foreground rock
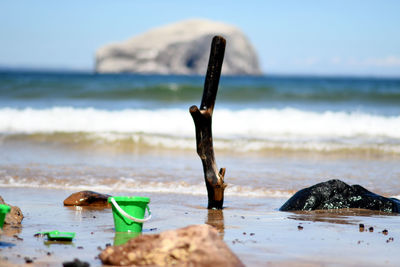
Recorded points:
(335,194)
(15,216)
(196,245)
(87,198)
(180,48)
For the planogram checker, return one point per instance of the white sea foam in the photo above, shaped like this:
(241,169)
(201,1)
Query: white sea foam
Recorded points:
(132,185)
(248,123)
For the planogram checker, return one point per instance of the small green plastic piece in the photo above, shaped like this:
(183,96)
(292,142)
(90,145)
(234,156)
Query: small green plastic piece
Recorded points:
(59,236)
(4,209)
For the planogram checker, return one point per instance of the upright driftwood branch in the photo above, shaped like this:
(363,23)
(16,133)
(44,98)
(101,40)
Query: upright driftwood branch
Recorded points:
(203,120)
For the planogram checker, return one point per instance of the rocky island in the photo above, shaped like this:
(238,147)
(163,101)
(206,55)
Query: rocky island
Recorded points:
(181,48)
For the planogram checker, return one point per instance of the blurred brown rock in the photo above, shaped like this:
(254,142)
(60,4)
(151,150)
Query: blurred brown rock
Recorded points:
(196,245)
(87,198)
(15,216)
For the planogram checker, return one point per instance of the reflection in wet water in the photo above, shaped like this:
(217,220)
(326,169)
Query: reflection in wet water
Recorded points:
(121,238)
(215,218)
(11,230)
(338,216)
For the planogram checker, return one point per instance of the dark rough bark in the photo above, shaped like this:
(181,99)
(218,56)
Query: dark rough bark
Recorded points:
(203,121)
(335,194)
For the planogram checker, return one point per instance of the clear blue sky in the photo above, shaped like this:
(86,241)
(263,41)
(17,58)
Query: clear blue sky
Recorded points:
(341,37)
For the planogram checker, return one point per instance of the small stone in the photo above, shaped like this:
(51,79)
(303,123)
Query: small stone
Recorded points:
(28,260)
(361,227)
(87,198)
(300,227)
(244,233)
(371,229)
(391,239)
(80,247)
(108,245)
(242,217)
(76,263)
(14,217)
(385,232)
(18,238)
(251,234)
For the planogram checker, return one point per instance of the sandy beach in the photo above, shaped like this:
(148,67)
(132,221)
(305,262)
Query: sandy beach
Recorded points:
(128,135)
(252,227)
(117,97)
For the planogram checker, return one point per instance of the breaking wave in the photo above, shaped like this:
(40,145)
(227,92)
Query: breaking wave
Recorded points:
(246,130)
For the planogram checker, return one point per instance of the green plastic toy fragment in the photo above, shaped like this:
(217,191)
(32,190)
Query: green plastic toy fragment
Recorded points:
(59,236)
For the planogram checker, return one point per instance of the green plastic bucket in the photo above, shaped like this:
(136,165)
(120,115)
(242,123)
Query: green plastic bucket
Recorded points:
(4,209)
(128,213)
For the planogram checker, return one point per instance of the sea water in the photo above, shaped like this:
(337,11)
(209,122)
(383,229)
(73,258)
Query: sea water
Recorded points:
(134,133)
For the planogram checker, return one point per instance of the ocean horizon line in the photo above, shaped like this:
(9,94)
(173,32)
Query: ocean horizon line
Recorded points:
(85,71)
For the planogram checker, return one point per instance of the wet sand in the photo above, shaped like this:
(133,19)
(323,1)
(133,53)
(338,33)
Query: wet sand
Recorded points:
(252,227)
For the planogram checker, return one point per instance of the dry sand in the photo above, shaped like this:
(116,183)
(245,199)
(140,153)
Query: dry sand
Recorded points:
(252,227)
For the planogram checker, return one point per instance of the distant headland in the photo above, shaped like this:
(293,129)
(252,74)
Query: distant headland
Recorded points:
(179,48)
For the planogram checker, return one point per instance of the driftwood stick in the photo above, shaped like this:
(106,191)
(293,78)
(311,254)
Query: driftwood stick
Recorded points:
(202,118)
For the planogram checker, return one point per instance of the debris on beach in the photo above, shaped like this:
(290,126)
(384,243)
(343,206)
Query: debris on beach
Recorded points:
(391,239)
(57,235)
(76,263)
(189,246)
(15,216)
(18,238)
(87,198)
(28,260)
(361,227)
(335,194)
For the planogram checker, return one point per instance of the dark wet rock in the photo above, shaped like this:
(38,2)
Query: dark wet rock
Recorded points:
(76,263)
(196,245)
(87,198)
(385,232)
(15,216)
(335,194)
